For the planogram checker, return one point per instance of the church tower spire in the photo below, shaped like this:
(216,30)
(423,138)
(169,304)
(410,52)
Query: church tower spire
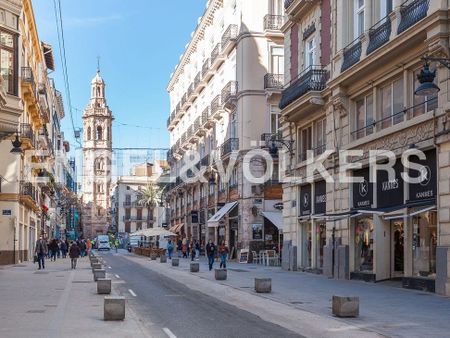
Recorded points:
(97,158)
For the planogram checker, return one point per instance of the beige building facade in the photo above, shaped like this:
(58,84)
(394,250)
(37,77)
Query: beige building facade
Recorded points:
(351,78)
(224,97)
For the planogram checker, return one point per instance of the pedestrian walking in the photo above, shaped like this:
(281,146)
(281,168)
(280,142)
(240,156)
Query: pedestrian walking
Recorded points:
(53,247)
(192,248)
(210,252)
(223,252)
(63,248)
(197,250)
(179,247)
(82,247)
(74,254)
(116,244)
(184,248)
(41,250)
(58,252)
(170,248)
(88,246)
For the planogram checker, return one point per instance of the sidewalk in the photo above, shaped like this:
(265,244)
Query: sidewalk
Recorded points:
(56,302)
(387,310)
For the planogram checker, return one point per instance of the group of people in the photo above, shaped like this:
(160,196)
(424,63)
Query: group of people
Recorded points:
(58,248)
(185,248)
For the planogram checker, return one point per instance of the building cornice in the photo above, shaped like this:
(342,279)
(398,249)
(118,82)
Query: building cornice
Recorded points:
(197,35)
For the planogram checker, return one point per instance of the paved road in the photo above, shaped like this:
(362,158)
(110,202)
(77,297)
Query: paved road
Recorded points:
(163,303)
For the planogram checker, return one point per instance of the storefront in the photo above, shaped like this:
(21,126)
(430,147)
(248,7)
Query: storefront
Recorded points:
(304,237)
(219,223)
(395,238)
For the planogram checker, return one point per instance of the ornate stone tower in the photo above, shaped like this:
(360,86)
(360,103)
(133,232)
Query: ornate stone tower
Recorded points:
(97,155)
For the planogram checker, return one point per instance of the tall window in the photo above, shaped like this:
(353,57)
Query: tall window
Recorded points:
(310,52)
(8,61)
(320,139)
(385,8)
(392,103)
(277,60)
(364,117)
(423,104)
(277,7)
(358,17)
(89,132)
(99,133)
(233,126)
(305,142)
(274,119)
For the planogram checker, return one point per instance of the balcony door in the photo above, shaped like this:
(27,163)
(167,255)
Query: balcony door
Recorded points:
(277,60)
(277,7)
(385,8)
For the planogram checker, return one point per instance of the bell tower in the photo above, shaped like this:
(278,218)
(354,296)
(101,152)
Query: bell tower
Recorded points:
(97,156)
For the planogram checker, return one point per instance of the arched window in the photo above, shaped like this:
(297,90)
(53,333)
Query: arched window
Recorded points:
(99,164)
(107,133)
(99,133)
(98,91)
(89,131)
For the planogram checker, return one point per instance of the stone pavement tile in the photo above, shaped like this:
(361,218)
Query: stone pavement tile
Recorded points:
(57,302)
(384,309)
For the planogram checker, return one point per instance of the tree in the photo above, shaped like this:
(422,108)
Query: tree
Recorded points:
(150,197)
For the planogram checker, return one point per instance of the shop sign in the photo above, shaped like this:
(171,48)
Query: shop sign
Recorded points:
(257,231)
(320,197)
(427,188)
(362,191)
(278,206)
(390,192)
(305,200)
(6,212)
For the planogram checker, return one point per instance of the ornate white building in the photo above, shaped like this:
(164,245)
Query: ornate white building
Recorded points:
(97,153)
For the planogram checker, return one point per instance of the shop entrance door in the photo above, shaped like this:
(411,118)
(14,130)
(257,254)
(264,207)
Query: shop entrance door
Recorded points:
(397,248)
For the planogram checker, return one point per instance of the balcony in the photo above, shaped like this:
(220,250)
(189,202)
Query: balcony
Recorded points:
(216,57)
(206,121)
(313,78)
(298,8)
(133,218)
(29,195)
(134,204)
(379,34)
(273,81)
(206,74)
(199,130)
(273,23)
(229,39)
(229,146)
(27,136)
(411,12)
(204,162)
(351,54)
(216,108)
(193,137)
(198,84)
(229,96)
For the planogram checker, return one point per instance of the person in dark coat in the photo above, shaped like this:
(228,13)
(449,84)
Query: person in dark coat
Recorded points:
(63,248)
(40,250)
(210,252)
(74,254)
(53,247)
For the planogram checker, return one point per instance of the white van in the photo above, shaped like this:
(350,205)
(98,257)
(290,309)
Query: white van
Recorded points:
(103,242)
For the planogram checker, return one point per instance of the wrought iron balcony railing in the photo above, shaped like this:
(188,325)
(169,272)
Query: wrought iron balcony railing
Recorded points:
(229,91)
(230,145)
(379,34)
(229,35)
(273,22)
(26,132)
(287,3)
(205,67)
(27,75)
(411,12)
(205,115)
(313,78)
(352,54)
(215,53)
(27,189)
(273,81)
(216,104)
(197,80)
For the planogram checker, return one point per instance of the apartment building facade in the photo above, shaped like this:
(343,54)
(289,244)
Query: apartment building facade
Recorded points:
(224,97)
(31,110)
(351,77)
(130,214)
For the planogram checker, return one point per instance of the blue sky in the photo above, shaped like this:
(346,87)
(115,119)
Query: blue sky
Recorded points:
(139,43)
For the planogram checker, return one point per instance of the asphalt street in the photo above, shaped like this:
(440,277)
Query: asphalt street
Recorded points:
(167,306)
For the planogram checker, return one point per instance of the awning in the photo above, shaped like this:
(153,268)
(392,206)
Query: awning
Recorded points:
(152,232)
(334,216)
(402,213)
(178,228)
(213,222)
(275,217)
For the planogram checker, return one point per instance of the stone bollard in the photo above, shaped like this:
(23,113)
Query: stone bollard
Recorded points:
(263,285)
(195,267)
(96,266)
(94,261)
(220,274)
(175,261)
(163,259)
(153,257)
(114,308)
(100,273)
(345,306)
(103,286)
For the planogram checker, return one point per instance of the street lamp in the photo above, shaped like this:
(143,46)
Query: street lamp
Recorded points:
(17,145)
(426,77)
